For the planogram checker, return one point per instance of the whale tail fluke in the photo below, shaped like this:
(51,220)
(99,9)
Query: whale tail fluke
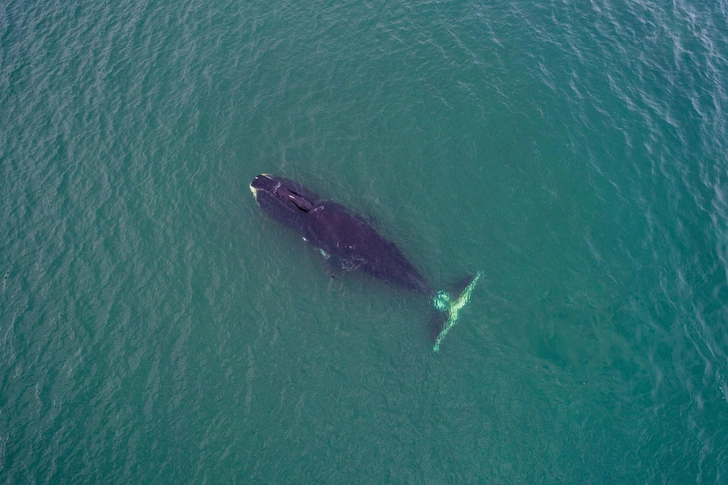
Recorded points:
(449,306)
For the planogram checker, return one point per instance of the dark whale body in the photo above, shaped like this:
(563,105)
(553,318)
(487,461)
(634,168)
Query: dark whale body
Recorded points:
(345,240)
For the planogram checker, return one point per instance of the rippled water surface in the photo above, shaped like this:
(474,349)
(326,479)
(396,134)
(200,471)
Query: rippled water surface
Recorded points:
(157,327)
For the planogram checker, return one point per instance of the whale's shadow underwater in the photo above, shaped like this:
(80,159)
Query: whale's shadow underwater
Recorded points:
(347,242)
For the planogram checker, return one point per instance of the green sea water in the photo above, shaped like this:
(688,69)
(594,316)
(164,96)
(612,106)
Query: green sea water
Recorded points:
(157,327)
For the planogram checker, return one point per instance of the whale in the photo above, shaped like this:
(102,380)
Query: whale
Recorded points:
(345,239)
(348,242)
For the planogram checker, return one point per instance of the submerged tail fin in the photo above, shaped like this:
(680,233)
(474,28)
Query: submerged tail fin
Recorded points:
(444,302)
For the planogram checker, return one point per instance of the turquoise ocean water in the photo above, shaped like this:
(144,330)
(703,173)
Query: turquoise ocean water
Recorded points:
(157,327)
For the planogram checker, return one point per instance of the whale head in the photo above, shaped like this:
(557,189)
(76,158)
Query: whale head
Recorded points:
(283,199)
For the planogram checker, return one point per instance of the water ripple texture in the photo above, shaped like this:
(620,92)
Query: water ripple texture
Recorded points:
(156,327)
